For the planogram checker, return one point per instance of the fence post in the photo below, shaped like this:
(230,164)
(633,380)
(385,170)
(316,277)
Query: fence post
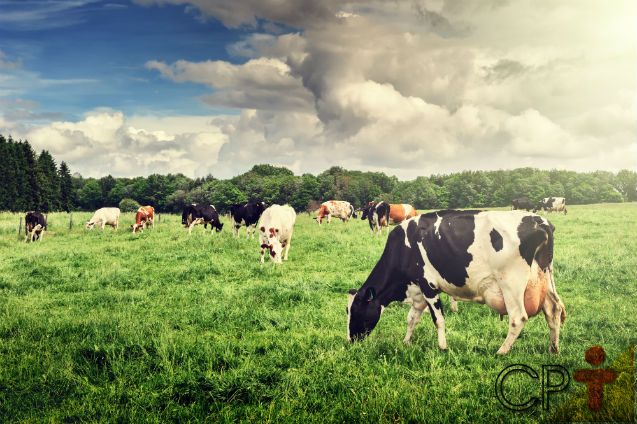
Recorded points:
(158,218)
(71,222)
(20,227)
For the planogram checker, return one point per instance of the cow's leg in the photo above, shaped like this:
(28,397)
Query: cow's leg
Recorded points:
(437,315)
(287,247)
(454,304)
(413,318)
(262,254)
(41,235)
(248,232)
(554,313)
(192,224)
(513,295)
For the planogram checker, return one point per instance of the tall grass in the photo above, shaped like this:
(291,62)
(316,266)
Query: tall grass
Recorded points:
(105,326)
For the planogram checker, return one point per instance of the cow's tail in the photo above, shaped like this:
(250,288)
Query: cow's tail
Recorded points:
(352,212)
(546,253)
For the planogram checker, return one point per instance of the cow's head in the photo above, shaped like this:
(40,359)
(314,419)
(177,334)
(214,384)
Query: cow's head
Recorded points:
(136,227)
(363,313)
(273,244)
(186,219)
(218,226)
(89,225)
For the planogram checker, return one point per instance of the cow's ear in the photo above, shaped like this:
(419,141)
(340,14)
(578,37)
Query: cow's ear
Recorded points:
(353,292)
(370,294)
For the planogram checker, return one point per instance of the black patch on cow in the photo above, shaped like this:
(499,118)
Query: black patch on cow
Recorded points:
(534,234)
(437,305)
(447,248)
(496,240)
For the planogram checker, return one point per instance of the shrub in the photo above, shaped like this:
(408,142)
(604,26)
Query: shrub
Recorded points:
(128,205)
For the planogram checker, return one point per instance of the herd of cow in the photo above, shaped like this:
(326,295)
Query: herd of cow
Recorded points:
(503,259)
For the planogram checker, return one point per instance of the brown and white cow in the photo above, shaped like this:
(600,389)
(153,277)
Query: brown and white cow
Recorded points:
(275,231)
(145,216)
(336,208)
(503,259)
(383,214)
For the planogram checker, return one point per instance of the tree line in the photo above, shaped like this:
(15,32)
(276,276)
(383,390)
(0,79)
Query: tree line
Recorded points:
(34,182)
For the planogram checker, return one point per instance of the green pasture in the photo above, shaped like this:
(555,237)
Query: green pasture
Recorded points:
(105,326)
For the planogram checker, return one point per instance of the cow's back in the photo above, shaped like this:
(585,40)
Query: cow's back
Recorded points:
(278,217)
(108,215)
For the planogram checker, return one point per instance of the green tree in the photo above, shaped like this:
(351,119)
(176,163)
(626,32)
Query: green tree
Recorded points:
(626,184)
(223,193)
(90,196)
(106,184)
(48,182)
(66,188)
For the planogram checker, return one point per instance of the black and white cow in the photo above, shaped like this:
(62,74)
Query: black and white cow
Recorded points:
(501,258)
(247,214)
(523,203)
(378,216)
(553,204)
(201,214)
(34,226)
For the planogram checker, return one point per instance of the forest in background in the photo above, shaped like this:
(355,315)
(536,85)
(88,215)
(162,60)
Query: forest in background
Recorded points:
(31,181)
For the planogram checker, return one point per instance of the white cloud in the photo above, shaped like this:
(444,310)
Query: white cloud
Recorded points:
(106,142)
(407,87)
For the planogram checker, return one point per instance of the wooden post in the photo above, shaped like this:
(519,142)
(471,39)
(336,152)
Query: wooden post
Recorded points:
(20,227)
(158,218)
(71,222)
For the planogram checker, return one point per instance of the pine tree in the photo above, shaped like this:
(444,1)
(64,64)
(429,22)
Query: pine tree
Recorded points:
(48,182)
(28,178)
(66,188)
(4,174)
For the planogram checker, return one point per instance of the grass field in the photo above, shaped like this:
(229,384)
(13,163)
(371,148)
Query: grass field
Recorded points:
(105,326)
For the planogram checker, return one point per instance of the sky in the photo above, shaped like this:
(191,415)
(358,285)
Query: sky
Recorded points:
(405,87)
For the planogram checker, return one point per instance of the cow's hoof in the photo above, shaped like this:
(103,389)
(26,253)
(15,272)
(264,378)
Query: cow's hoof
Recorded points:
(554,350)
(454,306)
(503,351)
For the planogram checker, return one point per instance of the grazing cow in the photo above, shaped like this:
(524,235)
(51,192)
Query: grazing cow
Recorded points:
(523,203)
(275,231)
(145,215)
(336,208)
(103,217)
(201,214)
(34,226)
(247,214)
(501,258)
(553,204)
(382,214)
